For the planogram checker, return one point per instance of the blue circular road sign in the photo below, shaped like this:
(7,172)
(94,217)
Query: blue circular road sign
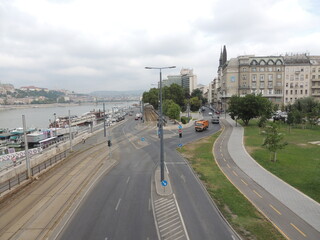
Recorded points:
(180,127)
(164,183)
(180,145)
(142,139)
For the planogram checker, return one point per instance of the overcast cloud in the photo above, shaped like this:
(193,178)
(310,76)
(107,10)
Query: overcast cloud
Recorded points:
(85,46)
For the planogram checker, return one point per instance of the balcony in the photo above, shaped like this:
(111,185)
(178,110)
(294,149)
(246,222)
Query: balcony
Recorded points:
(244,87)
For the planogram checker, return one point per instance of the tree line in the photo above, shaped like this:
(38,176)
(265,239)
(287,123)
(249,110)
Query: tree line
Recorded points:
(305,110)
(175,99)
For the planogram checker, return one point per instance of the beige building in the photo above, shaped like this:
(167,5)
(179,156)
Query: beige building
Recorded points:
(281,79)
(297,78)
(315,76)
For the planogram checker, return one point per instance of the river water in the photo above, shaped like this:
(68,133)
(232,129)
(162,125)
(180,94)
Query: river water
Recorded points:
(40,117)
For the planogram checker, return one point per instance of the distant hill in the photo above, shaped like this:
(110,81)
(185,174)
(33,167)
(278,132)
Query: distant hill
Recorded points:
(116,93)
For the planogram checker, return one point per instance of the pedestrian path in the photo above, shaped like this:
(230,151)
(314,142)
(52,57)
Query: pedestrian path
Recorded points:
(296,201)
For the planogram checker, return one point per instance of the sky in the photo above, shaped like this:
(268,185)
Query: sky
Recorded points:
(101,45)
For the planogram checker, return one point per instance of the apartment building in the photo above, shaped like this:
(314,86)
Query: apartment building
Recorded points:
(186,79)
(281,79)
(315,76)
(297,78)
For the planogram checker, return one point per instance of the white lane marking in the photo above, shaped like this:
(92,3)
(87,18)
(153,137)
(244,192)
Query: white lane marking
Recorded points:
(183,178)
(128,179)
(118,204)
(166,223)
(149,207)
(163,229)
(171,230)
(183,225)
(166,217)
(166,213)
(165,207)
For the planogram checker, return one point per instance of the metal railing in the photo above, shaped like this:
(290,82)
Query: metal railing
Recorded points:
(16,180)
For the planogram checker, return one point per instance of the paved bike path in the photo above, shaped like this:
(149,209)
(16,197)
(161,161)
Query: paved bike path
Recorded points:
(296,201)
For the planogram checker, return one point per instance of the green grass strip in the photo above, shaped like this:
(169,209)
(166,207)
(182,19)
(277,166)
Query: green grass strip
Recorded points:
(297,164)
(239,212)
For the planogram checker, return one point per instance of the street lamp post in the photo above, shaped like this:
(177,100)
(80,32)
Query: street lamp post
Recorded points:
(161,122)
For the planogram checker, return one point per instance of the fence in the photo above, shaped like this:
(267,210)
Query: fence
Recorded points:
(12,182)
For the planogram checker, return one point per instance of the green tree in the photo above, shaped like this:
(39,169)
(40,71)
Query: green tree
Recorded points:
(249,106)
(174,111)
(198,93)
(273,141)
(195,104)
(151,97)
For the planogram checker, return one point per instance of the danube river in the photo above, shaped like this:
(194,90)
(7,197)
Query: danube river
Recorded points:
(40,117)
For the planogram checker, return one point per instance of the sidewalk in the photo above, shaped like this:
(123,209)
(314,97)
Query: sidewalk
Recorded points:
(296,201)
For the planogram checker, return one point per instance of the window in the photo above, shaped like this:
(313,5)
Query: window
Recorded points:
(254,85)
(287,77)
(244,69)
(313,70)
(278,69)
(296,92)
(301,77)
(270,69)
(287,84)
(254,77)
(270,77)
(286,99)
(262,69)
(286,92)
(279,76)
(254,69)
(301,91)
(291,92)
(244,77)
(291,77)
(307,76)
(313,76)
(261,77)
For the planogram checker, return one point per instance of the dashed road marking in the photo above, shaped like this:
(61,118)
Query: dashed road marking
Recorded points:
(257,194)
(228,165)
(244,182)
(302,233)
(118,204)
(276,210)
(235,173)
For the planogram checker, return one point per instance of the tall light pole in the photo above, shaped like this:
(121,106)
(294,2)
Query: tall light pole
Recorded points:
(161,122)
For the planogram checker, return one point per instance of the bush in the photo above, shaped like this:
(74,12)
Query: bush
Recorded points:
(185,119)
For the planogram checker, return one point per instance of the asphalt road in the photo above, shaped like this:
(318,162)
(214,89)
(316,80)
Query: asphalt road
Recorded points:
(120,205)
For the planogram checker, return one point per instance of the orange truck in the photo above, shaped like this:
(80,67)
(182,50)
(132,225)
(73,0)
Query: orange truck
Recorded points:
(201,125)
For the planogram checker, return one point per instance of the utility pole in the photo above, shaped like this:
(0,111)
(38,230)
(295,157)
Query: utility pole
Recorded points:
(70,134)
(26,146)
(161,123)
(104,121)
